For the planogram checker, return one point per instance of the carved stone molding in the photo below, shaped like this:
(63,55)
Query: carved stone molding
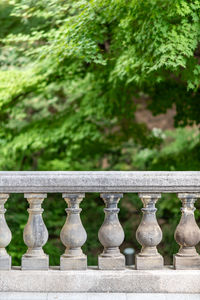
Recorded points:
(5,235)
(35,235)
(73,235)
(111,234)
(187,234)
(149,235)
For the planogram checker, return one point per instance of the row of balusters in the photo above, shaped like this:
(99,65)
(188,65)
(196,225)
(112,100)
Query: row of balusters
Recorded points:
(111,235)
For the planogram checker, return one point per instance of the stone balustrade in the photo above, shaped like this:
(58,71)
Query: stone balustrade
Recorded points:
(111,185)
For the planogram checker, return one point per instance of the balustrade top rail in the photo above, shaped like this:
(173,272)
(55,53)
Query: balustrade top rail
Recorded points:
(99,181)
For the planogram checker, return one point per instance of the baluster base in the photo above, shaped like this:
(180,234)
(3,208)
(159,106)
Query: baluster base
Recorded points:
(111,263)
(5,262)
(186,263)
(149,262)
(35,263)
(73,263)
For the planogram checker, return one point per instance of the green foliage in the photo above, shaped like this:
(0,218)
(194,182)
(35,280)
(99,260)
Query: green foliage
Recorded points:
(76,71)
(180,151)
(70,72)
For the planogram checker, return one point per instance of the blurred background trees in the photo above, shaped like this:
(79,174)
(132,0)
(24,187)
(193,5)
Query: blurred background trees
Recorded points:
(98,85)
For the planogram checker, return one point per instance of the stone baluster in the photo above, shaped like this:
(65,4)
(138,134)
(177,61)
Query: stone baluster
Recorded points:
(35,235)
(187,235)
(149,235)
(73,235)
(111,235)
(5,236)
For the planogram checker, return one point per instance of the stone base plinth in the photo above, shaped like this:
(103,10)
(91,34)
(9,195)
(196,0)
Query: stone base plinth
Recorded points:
(95,281)
(35,263)
(5,262)
(186,262)
(73,263)
(149,262)
(111,263)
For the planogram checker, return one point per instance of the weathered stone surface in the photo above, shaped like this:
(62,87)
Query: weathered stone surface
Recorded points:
(187,263)
(129,280)
(149,234)
(111,234)
(187,235)
(73,235)
(123,181)
(111,263)
(5,235)
(96,296)
(149,263)
(5,262)
(35,235)
(74,263)
(38,263)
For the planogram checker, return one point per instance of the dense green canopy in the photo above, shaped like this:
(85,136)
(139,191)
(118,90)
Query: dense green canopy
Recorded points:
(70,71)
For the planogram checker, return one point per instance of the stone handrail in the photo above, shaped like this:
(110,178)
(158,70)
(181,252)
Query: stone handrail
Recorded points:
(111,186)
(120,181)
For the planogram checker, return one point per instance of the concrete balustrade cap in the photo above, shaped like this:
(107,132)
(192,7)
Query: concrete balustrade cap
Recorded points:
(99,181)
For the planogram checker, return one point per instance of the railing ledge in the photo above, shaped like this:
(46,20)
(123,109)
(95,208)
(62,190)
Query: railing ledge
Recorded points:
(99,181)
(91,280)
